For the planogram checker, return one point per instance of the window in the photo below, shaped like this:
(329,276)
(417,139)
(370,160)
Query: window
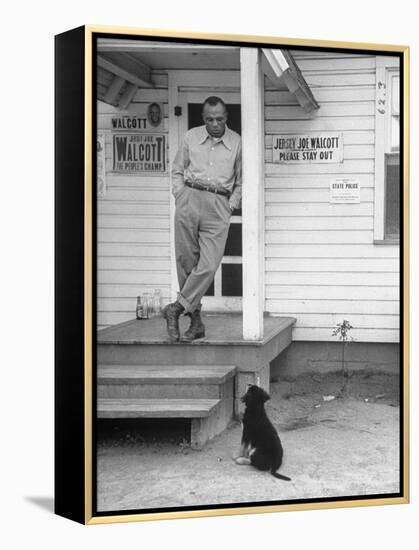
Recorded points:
(387,152)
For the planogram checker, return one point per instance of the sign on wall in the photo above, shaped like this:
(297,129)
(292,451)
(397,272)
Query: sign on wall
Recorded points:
(152,119)
(135,153)
(345,191)
(303,148)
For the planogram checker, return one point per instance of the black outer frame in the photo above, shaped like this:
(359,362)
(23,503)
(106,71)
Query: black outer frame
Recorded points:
(73,495)
(69,275)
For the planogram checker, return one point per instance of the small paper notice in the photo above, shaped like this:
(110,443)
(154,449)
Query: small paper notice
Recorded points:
(345,191)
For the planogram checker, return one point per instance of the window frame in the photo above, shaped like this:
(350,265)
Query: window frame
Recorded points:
(386,67)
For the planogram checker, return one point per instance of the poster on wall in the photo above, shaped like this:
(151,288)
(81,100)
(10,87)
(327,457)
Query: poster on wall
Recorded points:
(306,148)
(134,153)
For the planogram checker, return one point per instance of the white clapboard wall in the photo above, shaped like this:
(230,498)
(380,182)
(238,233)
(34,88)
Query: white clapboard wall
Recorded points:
(321,265)
(133,239)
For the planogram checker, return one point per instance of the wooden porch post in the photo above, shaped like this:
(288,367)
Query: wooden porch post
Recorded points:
(252,101)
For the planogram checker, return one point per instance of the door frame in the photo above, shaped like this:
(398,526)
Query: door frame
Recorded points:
(192,87)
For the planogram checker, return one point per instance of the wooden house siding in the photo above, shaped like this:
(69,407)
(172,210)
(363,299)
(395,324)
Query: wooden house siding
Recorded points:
(321,264)
(133,233)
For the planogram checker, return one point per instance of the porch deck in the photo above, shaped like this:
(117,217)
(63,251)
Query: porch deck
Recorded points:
(222,329)
(145,342)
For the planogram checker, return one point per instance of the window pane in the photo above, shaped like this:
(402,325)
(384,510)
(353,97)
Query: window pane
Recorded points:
(231,279)
(392,228)
(234,240)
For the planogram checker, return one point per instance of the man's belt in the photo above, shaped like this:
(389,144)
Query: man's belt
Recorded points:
(211,189)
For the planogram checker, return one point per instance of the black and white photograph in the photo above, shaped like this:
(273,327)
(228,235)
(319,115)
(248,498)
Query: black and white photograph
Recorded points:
(248,283)
(174,384)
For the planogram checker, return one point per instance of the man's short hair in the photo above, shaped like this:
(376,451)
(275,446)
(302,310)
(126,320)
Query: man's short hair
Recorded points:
(213,100)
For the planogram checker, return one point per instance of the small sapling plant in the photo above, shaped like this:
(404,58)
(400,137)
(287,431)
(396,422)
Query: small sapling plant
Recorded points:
(342,330)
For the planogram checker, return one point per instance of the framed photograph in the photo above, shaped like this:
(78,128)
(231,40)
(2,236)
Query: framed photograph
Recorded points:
(231,274)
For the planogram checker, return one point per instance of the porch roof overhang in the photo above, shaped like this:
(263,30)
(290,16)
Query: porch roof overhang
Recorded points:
(279,65)
(126,65)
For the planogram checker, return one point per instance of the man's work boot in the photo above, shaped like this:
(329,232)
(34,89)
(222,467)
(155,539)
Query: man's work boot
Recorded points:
(171,313)
(196,329)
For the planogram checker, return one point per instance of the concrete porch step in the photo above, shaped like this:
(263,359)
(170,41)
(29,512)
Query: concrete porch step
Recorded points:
(206,415)
(155,408)
(167,381)
(164,374)
(139,342)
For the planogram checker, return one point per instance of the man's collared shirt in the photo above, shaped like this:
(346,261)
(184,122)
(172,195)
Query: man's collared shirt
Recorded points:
(210,161)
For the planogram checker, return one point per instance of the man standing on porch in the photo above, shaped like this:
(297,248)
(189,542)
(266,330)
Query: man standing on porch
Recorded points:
(206,184)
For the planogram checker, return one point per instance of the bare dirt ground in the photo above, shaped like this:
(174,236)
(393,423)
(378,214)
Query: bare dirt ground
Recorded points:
(333,447)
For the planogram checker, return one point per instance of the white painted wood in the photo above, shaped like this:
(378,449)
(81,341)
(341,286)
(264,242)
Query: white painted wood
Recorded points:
(154,181)
(155,278)
(143,221)
(334,78)
(143,264)
(160,79)
(185,79)
(314,181)
(321,260)
(138,194)
(134,250)
(135,208)
(306,196)
(128,96)
(341,307)
(144,236)
(174,143)
(325,278)
(126,75)
(329,250)
(317,268)
(132,224)
(347,293)
(353,166)
(253,192)
(114,89)
(273,65)
(319,124)
(314,238)
(328,109)
(325,320)
(344,63)
(323,95)
(332,265)
(303,223)
(143,97)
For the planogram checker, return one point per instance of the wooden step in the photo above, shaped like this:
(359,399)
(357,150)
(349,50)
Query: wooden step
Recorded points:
(155,408)
(166,374)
